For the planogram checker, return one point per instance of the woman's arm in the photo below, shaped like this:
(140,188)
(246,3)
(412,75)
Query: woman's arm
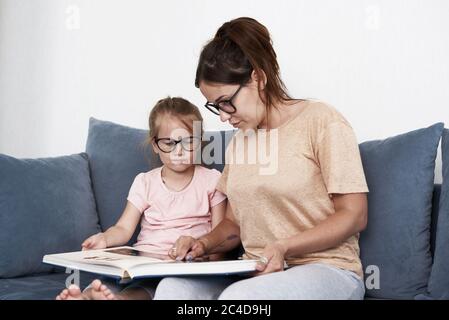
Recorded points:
(351,216)
(225,237)
(119,234)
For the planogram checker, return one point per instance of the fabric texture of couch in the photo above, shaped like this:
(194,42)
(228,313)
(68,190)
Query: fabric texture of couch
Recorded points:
(50,205)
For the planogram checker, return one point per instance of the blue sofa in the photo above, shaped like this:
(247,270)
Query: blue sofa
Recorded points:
(50,205)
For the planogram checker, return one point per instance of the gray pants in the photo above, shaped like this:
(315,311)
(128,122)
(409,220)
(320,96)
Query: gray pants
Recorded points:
(312,281)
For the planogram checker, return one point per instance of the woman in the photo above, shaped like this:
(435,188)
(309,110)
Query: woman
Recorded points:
(307,214)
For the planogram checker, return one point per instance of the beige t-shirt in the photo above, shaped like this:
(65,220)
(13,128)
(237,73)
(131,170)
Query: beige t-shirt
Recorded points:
(317,155)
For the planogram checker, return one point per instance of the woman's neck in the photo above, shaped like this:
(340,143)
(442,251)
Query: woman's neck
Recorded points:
(278,115)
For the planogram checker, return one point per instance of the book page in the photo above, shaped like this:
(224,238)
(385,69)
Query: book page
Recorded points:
(121,257)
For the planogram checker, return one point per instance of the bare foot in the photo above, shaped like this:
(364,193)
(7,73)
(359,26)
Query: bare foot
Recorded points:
(72,293)
(99,291)
(96,291)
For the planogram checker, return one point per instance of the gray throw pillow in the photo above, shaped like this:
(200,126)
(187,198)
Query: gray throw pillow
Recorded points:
(46,206)
(439,276)
(117,154)
(400,175)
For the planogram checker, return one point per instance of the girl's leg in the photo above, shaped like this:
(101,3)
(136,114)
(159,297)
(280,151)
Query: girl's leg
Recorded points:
(193,288)
(139,290)
(311,281)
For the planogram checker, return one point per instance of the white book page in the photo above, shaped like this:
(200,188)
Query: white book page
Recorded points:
(121,257)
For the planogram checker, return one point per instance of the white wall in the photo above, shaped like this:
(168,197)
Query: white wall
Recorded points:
(382,63)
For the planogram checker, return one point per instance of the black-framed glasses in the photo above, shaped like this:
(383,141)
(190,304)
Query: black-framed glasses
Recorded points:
(167,145)
(224,105)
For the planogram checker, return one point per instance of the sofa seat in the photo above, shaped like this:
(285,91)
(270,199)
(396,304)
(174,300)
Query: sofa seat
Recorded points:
(38,287)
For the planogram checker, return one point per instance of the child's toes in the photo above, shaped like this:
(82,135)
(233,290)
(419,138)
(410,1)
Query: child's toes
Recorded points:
(110,296)
(96,285)
(62,295)
(74,292)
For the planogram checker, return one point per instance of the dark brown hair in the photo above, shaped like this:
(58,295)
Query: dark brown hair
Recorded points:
(177,107)
(241,46)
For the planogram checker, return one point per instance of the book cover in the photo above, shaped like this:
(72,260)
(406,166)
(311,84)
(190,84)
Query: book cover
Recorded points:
(131,263)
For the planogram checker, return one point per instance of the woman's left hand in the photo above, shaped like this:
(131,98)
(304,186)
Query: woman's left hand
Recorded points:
(274,254)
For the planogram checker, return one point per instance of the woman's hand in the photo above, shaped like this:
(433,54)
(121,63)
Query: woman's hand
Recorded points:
(97,241)
(187,248)
(274,255)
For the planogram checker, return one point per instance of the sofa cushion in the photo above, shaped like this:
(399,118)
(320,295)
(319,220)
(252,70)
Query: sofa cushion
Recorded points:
(439,277)
(39,287)
(434,216)
(117,154)
(46,206)
(400,175)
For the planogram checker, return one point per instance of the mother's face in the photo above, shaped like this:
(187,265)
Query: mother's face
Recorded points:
(250,110)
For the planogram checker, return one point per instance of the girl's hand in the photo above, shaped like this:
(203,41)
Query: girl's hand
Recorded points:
(187,248)
(274,254)
(97,241)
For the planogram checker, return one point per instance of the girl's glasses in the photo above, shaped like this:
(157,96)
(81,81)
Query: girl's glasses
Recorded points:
(167,145)
(224,105)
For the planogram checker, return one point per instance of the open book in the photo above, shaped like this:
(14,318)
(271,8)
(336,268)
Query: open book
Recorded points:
(131,263)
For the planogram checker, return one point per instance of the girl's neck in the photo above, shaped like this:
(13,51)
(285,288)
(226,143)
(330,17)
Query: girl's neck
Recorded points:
(177,181)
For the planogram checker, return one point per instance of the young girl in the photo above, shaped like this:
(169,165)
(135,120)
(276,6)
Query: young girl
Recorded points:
(176,199)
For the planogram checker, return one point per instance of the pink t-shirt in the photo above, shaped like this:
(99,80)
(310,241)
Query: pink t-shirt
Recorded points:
(167,214)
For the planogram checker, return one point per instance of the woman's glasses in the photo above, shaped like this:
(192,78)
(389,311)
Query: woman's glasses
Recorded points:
(167,145)
(223,105)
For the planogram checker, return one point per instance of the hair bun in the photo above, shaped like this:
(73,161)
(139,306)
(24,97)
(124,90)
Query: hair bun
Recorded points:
(223,32)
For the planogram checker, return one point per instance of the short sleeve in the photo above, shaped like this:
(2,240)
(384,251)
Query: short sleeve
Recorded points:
(216,196)
(137,193)
(222,182)
(339,159)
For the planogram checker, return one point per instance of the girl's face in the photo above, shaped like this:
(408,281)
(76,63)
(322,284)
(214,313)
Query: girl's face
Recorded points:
(250,110)
(172,154)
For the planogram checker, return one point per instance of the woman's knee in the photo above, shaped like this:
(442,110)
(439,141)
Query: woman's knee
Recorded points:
(298,283)
(241,290)
(172,288)
(190,288)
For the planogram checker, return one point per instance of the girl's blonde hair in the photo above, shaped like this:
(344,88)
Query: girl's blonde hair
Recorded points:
(177,107)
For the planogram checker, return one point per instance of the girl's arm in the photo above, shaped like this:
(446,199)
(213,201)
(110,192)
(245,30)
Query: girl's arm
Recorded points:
(223,238)
(119,234)
(122,232)
(218,213)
